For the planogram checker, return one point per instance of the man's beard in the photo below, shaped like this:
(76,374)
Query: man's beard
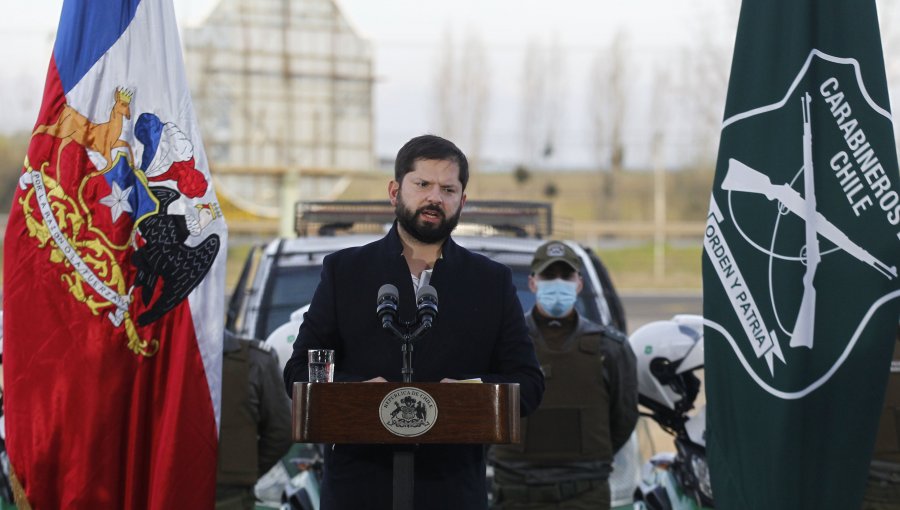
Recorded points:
(426,233)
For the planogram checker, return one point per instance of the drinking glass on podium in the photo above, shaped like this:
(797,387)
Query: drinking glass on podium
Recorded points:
(321,365)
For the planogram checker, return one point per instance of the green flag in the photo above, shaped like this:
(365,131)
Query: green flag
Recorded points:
(800,258)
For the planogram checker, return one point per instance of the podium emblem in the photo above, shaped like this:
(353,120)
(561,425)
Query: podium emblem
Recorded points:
(408,412)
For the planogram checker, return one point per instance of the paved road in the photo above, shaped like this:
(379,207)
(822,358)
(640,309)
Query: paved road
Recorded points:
(647,306)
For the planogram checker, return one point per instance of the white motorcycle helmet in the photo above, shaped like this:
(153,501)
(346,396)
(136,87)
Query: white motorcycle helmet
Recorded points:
(281,340)
(667,354)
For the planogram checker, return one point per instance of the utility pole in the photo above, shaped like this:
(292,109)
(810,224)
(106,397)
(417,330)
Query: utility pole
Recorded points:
(290,184)
(660,115)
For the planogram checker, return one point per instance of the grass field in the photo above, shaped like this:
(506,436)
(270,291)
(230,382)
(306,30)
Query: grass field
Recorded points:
(632,268)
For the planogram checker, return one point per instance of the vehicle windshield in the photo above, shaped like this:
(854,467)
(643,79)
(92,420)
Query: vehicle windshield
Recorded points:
(293,287)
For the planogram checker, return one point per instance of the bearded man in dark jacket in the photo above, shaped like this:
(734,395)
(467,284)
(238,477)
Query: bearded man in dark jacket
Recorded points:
(480,332)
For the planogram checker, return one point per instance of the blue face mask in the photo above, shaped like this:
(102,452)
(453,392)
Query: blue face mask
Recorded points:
(556,297)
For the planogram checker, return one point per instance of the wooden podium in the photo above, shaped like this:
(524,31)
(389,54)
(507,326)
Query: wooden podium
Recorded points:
(406,414)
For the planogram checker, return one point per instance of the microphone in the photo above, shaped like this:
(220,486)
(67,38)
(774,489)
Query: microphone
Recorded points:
(388,298)
(427,305)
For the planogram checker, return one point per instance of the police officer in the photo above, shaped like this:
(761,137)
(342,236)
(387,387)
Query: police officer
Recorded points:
(256,421)
(883,487)
(590,403)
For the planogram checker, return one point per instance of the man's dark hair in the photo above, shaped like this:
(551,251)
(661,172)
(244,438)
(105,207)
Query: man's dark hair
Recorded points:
(430,147)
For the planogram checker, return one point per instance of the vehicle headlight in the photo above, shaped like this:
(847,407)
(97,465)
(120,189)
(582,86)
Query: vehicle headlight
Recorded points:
(701,472)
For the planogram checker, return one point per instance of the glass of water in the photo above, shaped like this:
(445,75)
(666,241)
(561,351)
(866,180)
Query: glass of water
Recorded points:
(321,365)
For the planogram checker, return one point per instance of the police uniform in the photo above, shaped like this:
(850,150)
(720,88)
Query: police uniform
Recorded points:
(256,421)
(883,487)
(588,412)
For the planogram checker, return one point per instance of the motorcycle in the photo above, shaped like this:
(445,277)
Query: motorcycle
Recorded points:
(293,483)
(668,354)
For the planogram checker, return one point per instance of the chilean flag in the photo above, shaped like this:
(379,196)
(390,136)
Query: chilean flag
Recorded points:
(113,269)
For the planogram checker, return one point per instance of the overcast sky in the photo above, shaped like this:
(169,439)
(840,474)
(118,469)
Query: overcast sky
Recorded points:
(406,36)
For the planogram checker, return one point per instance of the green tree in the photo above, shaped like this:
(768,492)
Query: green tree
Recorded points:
(521,174)
(550,190)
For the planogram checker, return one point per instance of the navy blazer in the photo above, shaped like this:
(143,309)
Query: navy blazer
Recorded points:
(479,331)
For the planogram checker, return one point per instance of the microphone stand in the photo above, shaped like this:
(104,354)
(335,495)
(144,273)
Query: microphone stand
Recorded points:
(404,457)
(407,359)
(407,339)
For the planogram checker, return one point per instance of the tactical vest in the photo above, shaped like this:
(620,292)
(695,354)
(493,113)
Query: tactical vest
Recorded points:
(887,442)
(572,422)
(238,435)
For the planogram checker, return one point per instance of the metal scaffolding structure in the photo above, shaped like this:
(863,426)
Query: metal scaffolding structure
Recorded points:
(281,86)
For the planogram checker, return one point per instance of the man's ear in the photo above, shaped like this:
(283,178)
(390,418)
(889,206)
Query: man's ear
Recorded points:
(580,285)
(532,283)
(393,190)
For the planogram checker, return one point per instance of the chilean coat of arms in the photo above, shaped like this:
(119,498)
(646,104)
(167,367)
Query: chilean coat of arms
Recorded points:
(128,241)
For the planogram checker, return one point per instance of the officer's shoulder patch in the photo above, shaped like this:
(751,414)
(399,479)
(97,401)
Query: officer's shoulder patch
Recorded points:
(614,334)
(260,345)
